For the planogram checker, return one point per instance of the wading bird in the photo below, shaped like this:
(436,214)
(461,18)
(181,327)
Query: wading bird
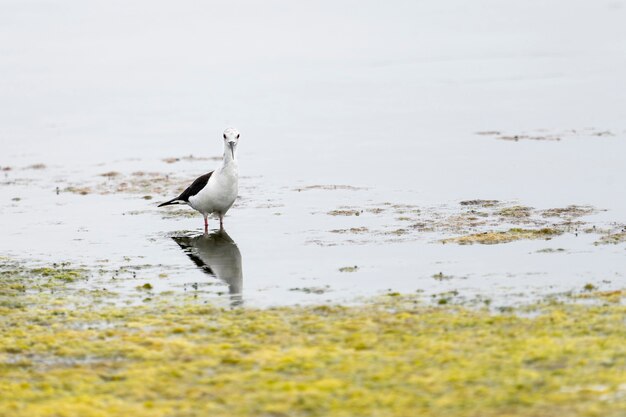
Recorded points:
(216,191)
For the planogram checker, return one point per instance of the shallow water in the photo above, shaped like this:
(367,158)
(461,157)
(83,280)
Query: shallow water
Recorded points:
(385,99)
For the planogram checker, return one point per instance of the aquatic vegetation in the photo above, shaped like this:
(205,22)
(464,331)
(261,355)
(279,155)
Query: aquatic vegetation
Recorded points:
(178,213)
(517,138)
(146,286)
(490,238)
(351,230)
(60,273)
(569,211)
(37,166)
(330,187)
(15,277)
(344,212)
(440,276)
(545,135)
(551,250)
(147,186)
(613,238)
(312,290)
(110,174)
(78,190)
(393,356)
(139,182)
(17,283)
(190,158)
(516,211)
(480,203)
(591,292)
(475,219)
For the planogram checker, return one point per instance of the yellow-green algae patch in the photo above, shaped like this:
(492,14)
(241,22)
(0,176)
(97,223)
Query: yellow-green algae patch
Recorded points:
(613,238)
(389,357)
(17,282)
(491,238)
(516,211)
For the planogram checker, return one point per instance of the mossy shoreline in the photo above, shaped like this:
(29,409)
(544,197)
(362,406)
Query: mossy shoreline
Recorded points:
(391,356)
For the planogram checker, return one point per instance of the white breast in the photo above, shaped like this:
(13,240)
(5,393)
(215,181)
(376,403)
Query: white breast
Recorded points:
(220,192)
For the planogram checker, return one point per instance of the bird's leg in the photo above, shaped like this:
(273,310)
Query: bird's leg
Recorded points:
(206,223)
(221,221)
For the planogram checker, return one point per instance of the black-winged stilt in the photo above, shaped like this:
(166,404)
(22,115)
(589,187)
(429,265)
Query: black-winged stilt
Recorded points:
(216,191)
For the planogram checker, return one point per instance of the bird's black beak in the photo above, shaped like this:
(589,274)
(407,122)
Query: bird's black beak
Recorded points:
(232,148)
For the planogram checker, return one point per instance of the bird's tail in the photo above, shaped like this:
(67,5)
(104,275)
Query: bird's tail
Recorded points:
(171,202)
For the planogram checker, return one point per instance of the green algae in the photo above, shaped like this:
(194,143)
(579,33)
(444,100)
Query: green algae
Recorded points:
(570,211)
(479,220)
(343,212)
(440,276)
(612,239)
(329,187)
(146,286)
(19,284)
(551,250)
(355,230)
(17,279)
(547,135)
(480,203)
(516,211)
(614,296)
(492,238)
(140,182)
(60,273)
(190,158)
(312,290)
(392,356)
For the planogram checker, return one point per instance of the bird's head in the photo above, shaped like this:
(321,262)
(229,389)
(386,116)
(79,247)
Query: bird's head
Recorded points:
(231,139)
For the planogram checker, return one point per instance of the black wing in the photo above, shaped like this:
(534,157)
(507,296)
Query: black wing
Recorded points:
(192,190)
(195,187)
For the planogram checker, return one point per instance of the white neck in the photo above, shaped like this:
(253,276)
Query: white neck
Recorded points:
(228,157)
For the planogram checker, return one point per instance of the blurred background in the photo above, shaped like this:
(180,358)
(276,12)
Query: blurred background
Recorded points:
(337,85)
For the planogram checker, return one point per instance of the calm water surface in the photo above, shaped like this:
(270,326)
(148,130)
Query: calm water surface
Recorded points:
(387,98)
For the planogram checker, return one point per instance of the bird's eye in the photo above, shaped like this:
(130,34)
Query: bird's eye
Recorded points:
(237,136)
(224,135)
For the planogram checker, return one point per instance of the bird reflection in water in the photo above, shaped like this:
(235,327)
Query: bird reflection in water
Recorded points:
(217,255)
